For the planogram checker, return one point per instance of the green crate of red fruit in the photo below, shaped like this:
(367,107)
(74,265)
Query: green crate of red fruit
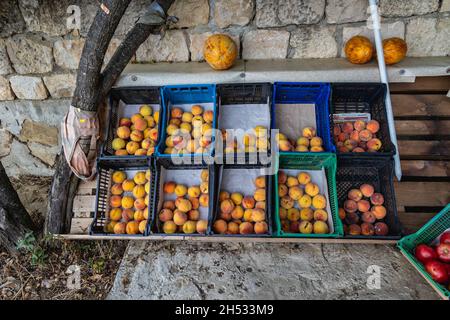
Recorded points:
(428,250)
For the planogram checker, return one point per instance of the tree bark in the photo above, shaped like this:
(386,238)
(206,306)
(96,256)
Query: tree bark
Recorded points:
(15,222)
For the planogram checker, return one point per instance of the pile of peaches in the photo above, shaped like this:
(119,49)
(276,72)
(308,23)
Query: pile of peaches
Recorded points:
(363,212)
(189,132)
(302,207)
(241,214)
(309,141)
(183,215)
(358,136)
(128,203)
(257,140)
(137,135)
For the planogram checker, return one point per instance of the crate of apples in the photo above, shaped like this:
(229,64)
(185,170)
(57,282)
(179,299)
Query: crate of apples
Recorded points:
(137,135)
(182,215)
(308,142)
(436,259)
(358,136)
(128,202)
(363,212)
(243,214)
(302,207)
(189,132)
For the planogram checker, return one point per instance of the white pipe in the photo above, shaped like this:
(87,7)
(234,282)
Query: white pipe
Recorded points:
(384,79)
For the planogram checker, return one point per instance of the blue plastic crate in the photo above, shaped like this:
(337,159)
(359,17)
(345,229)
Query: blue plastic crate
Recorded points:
(307,92)
(185,94)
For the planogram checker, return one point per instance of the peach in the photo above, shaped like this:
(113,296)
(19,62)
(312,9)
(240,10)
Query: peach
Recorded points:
(185,127)
(284,145)
(258,215)
(359,125)
(128,185)
(354,230)
(355,194)
(282,177)
(187,117)
(283,213)
(204,200)
(232,228)
(220,226)
(368,217)
(118,144)
(237,213)
(132,147)
(260,182)
(260,205)
(305,201)
(142,226)
(197,122)
(139,125)
(140,152)
(223,195)
(121,152)
(363,206)
(194,192)
(354,136)
(145,110)
(150,121)
(302,149)
(169,187)
(184,205)
(139,178)
(320,215)
(306,214)
(351,218)
(377,199)
(109,228)
(176,113)
(115,201)
(343,136)
(195,203)
(305,227)
(342,213)
(125,122)
(204,187)
(365,135)
(204,175)
(319,201)
(180,190)
(208,116)
(280,137)
(347,127)
(358,149)
(316,142)
(139,191)
(367,229)
(172,129)
(115,214)
(309,132)
(292,182)
(197,110)
(248,215)
(123,132)
(302,141)
(374,144)
(381,229)
(320,227)
(373,126)
(248,202)
(120,228)
(169,227)
(236,198)
(246,228)
(350,144)
(260,195)
(294,226)
(179,217)
(316,149)
(282,190)
(139,204)
(285,225)
(136,136)
(379,212)
(367,190)
(343,149)
(312,189)
(293,214)
(156,116)
(147,187)
(190,227)
(287,202)
(227,206)
(169,204)
(147,143)
(117,189)
(202,226)
(304,178)
(261,227)
(350,206)
(127,215)
(165,215)
(139,215)
(225,216)
(295,193)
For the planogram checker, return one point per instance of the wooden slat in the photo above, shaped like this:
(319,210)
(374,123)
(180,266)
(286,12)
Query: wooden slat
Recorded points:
(83,214)
(413,221)
(84,204)
(422,127)
(87,187)
(432,194)
(423,84)
(421,168)
(424,148)
(80,226)
(404,105)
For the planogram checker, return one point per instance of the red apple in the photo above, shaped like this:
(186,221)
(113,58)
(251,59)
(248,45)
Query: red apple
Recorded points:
(425,253)
(445,237)
(443,252)
(437,270)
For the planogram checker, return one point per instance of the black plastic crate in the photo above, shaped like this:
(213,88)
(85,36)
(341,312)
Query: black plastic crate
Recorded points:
(230,95)
(167,164)
(379,172)
(129,96)
(363,98)
(220,170)
(105,169)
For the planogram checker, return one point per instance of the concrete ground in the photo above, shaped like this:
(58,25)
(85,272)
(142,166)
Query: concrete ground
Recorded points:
(183,270)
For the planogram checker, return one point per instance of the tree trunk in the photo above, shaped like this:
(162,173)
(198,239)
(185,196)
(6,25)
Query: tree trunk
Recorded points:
(15,222)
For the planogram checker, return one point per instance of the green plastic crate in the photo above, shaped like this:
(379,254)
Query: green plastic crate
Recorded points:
(310,161)
(427,234)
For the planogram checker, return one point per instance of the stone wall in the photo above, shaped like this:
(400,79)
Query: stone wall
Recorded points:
(39,55)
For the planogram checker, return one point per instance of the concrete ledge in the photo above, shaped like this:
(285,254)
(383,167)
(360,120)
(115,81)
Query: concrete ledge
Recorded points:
(303,70)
